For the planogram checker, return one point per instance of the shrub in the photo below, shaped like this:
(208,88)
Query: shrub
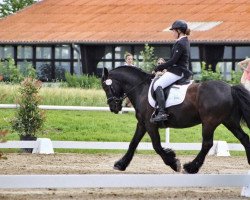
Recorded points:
(28,71)
(3,134)
(9,72)
(235,77)
(83,81)
(29,118)
(149,60)
(217,75)
(209,74)
(45,72)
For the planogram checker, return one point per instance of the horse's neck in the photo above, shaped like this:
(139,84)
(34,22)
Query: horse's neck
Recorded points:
(130,81)
(134,86)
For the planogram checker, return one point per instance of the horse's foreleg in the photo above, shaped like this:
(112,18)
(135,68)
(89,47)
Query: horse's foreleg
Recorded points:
(125,160)
(207,142)
(167,155)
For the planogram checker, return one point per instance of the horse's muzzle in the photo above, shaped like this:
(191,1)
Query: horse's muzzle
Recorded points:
(115,108)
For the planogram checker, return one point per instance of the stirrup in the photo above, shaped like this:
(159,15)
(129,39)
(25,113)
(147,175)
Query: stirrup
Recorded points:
(160,117)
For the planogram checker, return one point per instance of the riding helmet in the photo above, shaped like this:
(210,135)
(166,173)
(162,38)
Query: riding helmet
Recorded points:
(179,24)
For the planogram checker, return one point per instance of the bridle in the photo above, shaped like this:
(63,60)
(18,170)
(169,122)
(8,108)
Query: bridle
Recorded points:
(118,100)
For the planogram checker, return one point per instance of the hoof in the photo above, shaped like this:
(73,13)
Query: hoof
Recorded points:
(176,166)
(190,169)
(184,171)
(118,166)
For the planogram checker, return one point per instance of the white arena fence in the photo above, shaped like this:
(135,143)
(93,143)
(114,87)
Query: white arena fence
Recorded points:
(46,146)
(80,108)
(126,181)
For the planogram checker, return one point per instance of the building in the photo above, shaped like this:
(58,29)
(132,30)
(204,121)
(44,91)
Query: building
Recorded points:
(84,36)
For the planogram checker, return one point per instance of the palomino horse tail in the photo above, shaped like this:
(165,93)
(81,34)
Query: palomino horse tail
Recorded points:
(242,98)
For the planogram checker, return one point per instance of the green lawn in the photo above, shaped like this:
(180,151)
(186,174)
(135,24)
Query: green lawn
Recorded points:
(104,126)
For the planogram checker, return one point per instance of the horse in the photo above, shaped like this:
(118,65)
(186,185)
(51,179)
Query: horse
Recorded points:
(209,103)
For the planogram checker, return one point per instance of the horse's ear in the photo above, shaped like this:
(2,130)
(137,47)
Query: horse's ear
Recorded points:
(105,73)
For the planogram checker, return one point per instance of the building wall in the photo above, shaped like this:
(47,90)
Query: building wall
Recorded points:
(52,61)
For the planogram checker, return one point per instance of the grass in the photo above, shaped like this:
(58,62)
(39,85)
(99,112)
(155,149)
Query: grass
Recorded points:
(58,96)
(105,126)
(73,97)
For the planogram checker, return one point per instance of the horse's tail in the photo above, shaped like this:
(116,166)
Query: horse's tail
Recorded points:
(242,98)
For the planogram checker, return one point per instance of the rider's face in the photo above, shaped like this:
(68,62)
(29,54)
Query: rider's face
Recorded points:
(175,34)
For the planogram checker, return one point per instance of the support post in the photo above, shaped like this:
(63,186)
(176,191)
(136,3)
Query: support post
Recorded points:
(44,146)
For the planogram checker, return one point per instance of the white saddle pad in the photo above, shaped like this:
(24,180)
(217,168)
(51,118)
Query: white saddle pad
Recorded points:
(176,95)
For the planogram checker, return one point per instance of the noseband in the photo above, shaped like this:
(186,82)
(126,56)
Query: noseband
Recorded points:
(117,100)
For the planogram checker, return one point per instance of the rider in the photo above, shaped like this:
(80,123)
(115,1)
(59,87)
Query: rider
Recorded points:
(176,66)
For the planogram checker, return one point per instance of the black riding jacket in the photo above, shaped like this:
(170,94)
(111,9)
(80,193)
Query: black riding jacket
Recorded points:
(179,62)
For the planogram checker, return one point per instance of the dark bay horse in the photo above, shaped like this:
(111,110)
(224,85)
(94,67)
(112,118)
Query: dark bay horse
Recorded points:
(209,103)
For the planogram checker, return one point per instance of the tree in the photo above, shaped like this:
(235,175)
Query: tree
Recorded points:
(149,60)
(11,6)
(29,117)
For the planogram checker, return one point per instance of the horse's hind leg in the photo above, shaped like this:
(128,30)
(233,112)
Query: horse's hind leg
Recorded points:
(167,155)
(125,160)
(207,142)
(236,129)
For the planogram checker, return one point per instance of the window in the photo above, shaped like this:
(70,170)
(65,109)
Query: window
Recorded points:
(227,52)
(62,52)
(195,54)
(6,52)
(162,52)
(137,55)
(103,64)
(1,52)
(226,68)
(196,68)
(108,53)
(44,71)
(77,53)
(43,52)
(242,52)
(24,52)
(23,65)
(119,63)
(120,51)
(106,60)
(77,68)
(61,69)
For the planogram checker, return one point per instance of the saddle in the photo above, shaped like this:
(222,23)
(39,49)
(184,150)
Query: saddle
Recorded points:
(182,81)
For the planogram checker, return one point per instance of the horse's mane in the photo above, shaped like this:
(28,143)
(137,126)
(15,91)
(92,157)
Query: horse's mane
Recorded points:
(133,71)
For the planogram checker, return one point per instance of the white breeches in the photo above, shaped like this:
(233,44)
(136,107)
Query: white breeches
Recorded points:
(166,79)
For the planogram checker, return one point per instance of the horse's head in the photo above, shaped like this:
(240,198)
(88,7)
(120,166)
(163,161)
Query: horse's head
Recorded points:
(114,92)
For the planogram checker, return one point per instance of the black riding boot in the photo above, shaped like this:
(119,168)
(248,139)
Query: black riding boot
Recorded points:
(160,98)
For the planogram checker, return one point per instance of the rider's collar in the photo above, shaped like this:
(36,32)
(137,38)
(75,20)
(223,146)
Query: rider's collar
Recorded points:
(181,37)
